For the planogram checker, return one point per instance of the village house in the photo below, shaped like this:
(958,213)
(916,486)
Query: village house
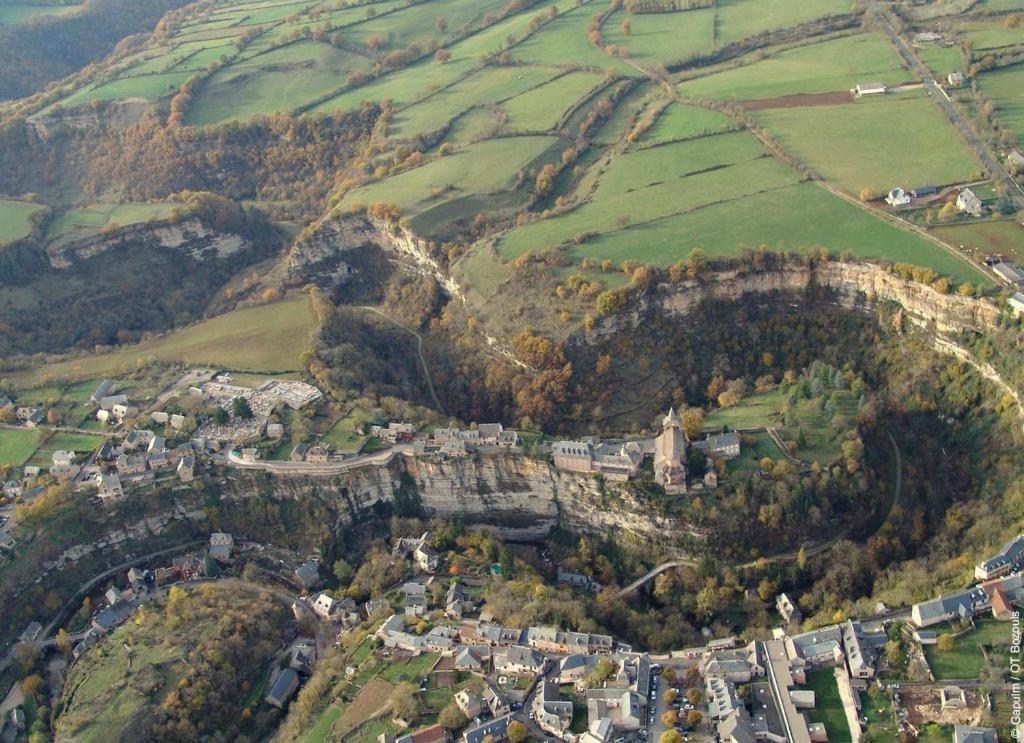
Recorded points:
(971,734)
(105,387)
(122,412)
(496,702)
(518,661)
(108,487)
(491,634)
(1016,302)
(110,401)
(897,197)
(186,470)
(1007,560)
(30,417)
(550,640)
(275,431)
(468,704)
(441,639)
(969,203)
(472,658)
(373,606)
(307,575)
(495,730)
(221,545)
(283,688)
(457,602)
(790,612)
(138,439)
(725,445)
(416,606)
(62,462)
(177,421)
(318,454)
(552,713)
(956,79)
(392,433)
(621,707)
(129,465)
(159,417)
(572,669)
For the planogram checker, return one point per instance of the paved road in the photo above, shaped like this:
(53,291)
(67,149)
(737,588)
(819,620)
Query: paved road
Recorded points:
(988,158)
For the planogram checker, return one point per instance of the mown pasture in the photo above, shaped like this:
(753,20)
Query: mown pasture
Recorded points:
(834,65)
(87,221)
(267,338)
(877,143)
(1005,88)
(16,219)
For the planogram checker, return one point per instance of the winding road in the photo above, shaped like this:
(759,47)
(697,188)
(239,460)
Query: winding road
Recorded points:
(809,550)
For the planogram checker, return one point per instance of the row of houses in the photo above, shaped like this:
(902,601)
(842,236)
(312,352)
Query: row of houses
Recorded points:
(998,596)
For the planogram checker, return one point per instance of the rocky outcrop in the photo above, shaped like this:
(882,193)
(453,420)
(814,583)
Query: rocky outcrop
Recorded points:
(856,286)
(519,497)
(107,116)
(334,236)
(189,237)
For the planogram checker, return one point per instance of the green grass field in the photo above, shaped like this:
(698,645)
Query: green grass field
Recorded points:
(279,80)
(15,219)
(835,65)
(679,121)
(877,143)
(1005,88)
(966,659)
(828,707)
(740,19)
(663,38)
(266,338)
(342,438)
(1003,236)
(444,189)
(87,221)
(764,410)
(18,445)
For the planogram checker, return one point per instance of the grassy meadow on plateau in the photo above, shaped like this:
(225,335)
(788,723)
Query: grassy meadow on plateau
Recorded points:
(664,132)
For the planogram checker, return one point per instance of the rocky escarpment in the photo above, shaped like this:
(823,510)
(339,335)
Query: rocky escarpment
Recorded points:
(323,251)
(519,497)
(857,286)
(189,237)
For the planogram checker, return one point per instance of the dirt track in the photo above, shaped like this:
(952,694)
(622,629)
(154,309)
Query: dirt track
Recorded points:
(799,101)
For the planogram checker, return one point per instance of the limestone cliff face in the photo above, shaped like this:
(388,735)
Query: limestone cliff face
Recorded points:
(856,286)
(189,237)
(519,497)
(337,234)
(88,118)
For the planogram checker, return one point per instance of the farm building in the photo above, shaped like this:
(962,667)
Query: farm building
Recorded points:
(863,89)
(1009,273)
